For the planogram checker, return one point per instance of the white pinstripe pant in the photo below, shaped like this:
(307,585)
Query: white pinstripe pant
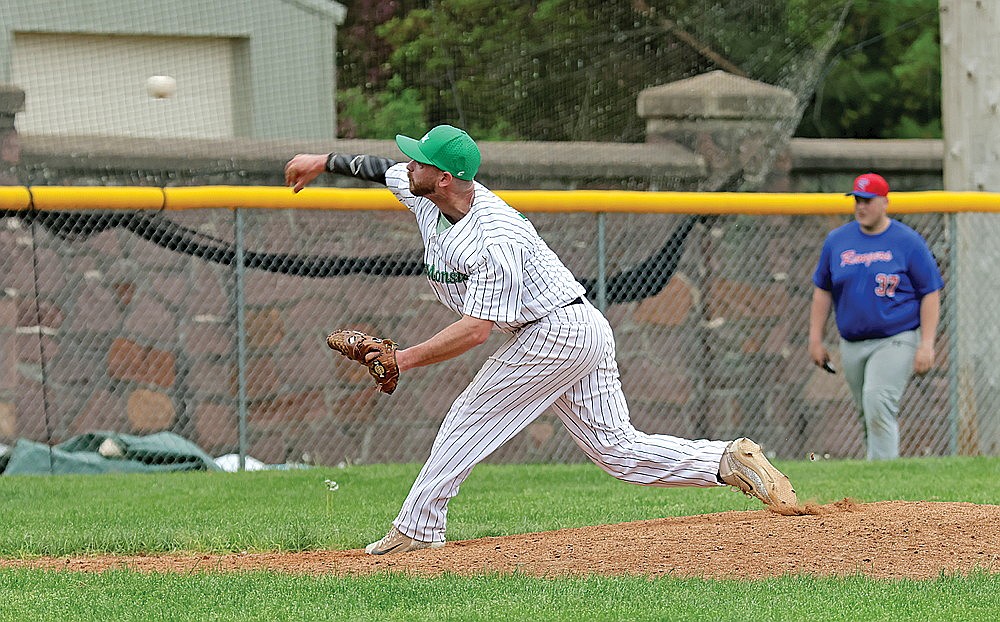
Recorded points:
(565,360)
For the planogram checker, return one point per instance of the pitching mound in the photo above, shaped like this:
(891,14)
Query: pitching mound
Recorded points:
(892,539)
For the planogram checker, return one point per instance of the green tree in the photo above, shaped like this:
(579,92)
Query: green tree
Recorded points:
(372,102)
(381,114)
(883,77)
(567,69)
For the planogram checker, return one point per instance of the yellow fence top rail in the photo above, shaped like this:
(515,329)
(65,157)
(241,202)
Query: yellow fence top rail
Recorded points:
(66,198)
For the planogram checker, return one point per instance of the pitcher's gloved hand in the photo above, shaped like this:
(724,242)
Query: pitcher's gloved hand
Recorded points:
(378,355)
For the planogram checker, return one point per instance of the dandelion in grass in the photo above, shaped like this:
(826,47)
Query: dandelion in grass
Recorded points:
(331,486)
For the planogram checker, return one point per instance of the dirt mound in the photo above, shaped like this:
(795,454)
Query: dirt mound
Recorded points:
(892,539)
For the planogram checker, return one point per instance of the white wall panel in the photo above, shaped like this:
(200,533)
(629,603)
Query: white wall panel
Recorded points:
(96,85)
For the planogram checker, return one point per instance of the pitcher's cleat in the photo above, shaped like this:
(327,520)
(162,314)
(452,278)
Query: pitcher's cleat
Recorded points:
(397,542)
(745,467)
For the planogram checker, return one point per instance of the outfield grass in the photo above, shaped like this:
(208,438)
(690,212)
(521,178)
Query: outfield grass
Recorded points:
(293,510)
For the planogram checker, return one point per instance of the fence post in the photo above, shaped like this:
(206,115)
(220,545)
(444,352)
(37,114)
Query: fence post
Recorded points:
(952,329)
(969,75)
(602,262)
(241,339)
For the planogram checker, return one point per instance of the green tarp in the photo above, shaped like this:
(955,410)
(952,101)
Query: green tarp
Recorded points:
(108,452)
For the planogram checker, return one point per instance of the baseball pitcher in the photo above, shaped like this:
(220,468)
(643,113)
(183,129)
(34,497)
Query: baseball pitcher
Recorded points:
(486,262)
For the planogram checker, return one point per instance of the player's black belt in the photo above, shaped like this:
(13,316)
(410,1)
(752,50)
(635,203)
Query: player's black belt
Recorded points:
(576,301)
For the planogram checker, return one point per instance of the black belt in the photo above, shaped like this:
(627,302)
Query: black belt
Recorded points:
(576,301)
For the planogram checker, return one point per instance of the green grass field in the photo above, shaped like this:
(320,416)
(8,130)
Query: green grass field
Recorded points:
(293,510)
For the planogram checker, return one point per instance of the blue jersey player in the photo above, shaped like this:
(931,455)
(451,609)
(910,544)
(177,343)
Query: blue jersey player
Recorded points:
(881,280)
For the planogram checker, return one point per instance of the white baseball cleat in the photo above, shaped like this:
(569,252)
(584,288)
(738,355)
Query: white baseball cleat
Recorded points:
(745,467)
(397,542)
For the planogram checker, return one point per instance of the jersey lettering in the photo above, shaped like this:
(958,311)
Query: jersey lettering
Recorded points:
(442,276)
(852,257)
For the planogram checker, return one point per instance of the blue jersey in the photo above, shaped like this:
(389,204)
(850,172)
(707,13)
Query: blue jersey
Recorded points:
(876,281)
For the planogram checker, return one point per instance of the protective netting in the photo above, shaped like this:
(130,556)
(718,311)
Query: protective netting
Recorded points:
(573,70)
(579,70)
(210,324)
(546,70)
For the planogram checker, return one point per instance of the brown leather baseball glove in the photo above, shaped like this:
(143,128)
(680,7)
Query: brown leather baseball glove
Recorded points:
(378,355)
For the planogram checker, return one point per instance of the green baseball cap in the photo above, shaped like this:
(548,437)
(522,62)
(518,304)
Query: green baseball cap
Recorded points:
(446,147)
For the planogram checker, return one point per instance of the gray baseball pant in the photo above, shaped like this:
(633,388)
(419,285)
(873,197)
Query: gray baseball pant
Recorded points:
(877,372)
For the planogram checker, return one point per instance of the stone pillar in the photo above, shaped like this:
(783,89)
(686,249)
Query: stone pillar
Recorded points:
(11,103)
(739,126)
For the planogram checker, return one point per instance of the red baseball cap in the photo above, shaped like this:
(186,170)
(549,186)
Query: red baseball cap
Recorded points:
(869,185)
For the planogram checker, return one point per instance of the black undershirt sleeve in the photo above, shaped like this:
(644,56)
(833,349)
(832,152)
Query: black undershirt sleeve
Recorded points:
(366,167)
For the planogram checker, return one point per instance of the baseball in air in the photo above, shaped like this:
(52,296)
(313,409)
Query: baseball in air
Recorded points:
(161,87)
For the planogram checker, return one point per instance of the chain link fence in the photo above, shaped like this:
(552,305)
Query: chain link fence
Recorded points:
(211,324)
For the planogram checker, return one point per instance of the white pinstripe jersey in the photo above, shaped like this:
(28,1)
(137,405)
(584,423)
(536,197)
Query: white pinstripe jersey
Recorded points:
(491,264)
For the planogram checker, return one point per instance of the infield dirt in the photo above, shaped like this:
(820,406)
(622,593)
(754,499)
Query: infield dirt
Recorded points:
(885,540)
